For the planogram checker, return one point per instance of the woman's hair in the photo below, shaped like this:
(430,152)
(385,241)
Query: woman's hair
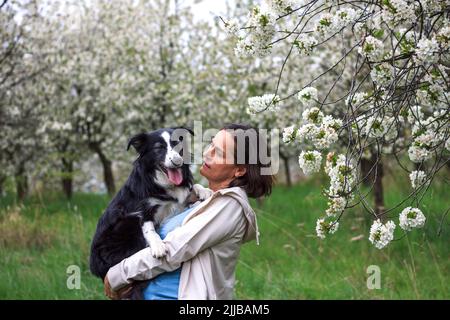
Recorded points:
(249,147)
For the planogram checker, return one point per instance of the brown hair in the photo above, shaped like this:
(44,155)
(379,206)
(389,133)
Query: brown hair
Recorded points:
(253,182)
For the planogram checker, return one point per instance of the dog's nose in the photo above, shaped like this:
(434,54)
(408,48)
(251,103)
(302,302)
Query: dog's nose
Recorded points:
(177,161)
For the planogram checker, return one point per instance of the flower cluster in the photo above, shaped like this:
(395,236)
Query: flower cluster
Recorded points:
(417,178)
(427,51)
(378,127)
(309,161)
(415,114)
(382,74)
(320,130)
(232,27)
(341,171)
(261,26)
(313,115)
(265,102)
(281,7)
(357,99)
(308,96)
(397,11)
(398,99)
(289,134)
(336,205)
(411,218)
(305,43)
(381,234)
(342,179)
(372,48)
(324,227)
(330,23)
(426,138)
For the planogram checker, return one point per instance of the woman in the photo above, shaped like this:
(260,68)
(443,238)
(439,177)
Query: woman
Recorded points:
(203,251)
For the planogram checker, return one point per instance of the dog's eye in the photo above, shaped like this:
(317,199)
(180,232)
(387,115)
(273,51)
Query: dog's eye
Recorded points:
(158,146)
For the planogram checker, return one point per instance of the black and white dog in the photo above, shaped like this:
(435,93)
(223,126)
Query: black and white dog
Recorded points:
(159,186)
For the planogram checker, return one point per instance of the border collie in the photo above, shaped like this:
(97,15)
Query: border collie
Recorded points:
(159,186)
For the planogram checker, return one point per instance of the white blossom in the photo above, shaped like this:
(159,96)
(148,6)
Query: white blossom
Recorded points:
(341,171)
(417,178)
(335,206)
(411,218)
(289,134)
(261,24)
(308,96)
(415,114)
(356,99)
(281,7)
(324,227)
(382,74)
(262,103)
(310,161)
(377,126)
(324,137)
(418,154)
(232,26)
(344,17)
(397,11)
(381,234)
(443,37)
(427,51)
(307,132)
(313,115)
(372,48)
(305,43)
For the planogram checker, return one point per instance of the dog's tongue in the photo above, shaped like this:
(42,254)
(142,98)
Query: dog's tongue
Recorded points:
(175,176)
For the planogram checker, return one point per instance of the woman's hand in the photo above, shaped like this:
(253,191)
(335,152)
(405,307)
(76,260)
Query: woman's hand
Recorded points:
(116,295)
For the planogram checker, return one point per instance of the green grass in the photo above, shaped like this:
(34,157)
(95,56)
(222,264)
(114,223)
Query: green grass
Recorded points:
(42,237)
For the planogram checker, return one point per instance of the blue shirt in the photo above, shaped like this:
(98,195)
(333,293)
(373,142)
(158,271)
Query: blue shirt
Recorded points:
(165,286)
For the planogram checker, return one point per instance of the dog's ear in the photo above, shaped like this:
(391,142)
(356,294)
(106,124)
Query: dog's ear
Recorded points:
(138,142)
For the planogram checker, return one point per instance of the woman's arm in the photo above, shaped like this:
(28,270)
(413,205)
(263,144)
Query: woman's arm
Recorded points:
(221,219)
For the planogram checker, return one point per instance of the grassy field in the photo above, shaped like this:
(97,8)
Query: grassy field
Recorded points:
(40,239)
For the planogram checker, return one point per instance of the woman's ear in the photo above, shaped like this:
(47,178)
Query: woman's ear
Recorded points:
(240,171)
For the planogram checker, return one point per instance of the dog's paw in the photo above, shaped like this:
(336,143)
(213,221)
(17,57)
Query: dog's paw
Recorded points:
(158,248)
(201,192)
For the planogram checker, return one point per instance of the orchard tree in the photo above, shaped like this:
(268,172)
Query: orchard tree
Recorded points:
(121,69)
(23,61)
(395,99)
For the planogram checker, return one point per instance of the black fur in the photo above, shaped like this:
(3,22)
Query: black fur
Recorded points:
(119,230)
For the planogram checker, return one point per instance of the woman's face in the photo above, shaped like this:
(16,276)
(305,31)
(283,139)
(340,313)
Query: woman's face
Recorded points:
(218,160)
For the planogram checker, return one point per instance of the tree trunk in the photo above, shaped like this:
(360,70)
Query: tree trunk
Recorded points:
(2,183)
(67,178)
(107,168)
(287,171)
(366,165)
(378,186)
(21,182)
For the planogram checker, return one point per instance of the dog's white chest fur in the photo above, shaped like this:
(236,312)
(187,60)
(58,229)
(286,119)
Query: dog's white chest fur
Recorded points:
(166,210)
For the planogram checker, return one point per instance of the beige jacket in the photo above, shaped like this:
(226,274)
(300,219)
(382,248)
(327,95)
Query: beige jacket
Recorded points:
(206,245)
